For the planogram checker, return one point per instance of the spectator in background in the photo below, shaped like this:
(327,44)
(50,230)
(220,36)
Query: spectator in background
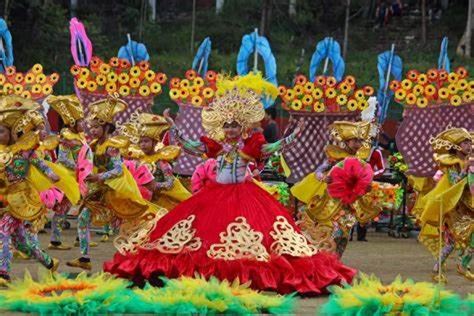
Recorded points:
(382,13)
(270,127)
(396,8)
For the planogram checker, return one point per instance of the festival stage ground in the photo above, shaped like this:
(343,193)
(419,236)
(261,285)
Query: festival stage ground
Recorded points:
(383,256)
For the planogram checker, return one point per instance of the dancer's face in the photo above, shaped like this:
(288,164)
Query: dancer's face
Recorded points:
(96,130)
(42,131)
(354,144)
(147,145)
(79,126)
(466,147)
(5,135)
(232,130)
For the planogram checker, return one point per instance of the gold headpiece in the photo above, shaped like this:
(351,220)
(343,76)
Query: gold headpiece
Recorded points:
(20,114)
(344,130)
(243,107)
(105,110)
(68,107)
(152,125)
(449,139)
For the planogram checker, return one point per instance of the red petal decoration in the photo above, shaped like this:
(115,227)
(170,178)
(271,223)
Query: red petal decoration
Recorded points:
(350,180)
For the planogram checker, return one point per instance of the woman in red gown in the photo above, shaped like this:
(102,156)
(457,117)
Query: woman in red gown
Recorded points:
(233,229)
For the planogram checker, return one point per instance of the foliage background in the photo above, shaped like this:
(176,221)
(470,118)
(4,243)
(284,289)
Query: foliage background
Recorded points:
(41,34)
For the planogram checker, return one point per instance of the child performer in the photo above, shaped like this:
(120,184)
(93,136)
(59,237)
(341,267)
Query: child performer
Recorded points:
(233,229)
(452,199)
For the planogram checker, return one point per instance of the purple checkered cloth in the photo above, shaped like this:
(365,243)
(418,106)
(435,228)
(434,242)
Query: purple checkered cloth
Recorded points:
(188,122)
(419,125)
(307,150)
(135,104)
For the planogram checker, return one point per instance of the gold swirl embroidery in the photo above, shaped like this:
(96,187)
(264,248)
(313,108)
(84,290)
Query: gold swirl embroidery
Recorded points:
(135,233)
(319,235)
(239,241)
(178,238)
(288,242)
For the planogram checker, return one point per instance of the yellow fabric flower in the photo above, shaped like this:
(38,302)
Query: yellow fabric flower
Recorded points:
(341,99)
(111,87)
(155,87)
(208,93)
(123,78)
(411,99)
(362,104)
(307,100)
(308,87)
(422,102)
(359,94)
(407,84)
(296,105)
(104,69)
(467,96)
(41,78)
(18,89)
(135,71)
(199,82)
(174,94)
(37,69)
(422,79)
(150,75)
(400,95)
(91,86)
(144,91)
(443,93)
(418,90)
(352,105)
(113,77)
(319,107)
(124,91)
(196,100)
(317,93)
(462,84)
(101,80)
(47,89)
(331,93)
(455,100)
(298,89)
(184,83)
(134,82)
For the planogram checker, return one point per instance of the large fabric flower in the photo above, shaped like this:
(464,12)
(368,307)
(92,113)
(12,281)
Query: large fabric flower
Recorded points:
(84,168)
(350,179)
(142,176)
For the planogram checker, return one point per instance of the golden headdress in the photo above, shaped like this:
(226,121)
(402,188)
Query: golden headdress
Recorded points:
(68,107)
(237,100)
(344,130)
(105,110)
(144,124)
(27,109)
(449,139)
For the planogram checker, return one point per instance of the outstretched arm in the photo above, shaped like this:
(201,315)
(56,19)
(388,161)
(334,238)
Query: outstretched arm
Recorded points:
(116,163)
(40,164)
(64,159)
(280,145)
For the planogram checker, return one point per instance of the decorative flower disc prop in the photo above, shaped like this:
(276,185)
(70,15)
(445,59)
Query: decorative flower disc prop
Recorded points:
(325,94)
(118,75)
(350,179)
(104,294)
(193,89)
(369,296)
(33,84)
(436,86)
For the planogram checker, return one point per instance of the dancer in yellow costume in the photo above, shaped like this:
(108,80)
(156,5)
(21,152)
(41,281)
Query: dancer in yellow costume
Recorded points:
(22,174)
(451,199)
(113,195)
(146,131)
(326,219)
(70,141)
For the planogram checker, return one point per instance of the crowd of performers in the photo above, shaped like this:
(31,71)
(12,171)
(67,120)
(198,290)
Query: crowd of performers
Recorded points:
(231,226)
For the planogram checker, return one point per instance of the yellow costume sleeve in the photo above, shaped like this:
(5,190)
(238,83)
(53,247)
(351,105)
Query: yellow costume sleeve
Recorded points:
(67,183)
(270,189)
(307,188)
(443,198)
(177,191)
(126,199)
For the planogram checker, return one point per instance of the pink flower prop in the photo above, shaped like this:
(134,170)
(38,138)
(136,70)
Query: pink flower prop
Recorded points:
(51,197)
(84,168)
(350,180)
(204,174)
(142,176)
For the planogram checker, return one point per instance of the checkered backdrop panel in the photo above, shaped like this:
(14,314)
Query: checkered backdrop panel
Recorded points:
(189,122)
(307,152)
(135,104)
(419,125)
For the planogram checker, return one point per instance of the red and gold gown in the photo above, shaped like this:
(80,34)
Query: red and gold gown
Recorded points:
(231,230)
